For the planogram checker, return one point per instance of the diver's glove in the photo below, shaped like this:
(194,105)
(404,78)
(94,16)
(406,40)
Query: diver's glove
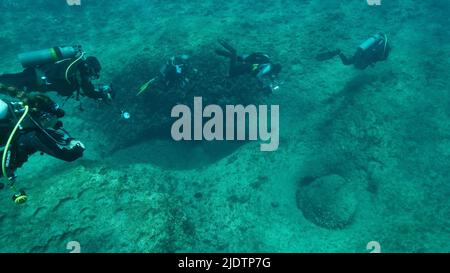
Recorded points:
(76,144)
(75,147)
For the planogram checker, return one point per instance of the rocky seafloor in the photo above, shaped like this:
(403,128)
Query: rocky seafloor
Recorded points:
(364,155)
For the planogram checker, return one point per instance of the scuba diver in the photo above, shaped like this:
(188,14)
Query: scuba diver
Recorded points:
(64,70)
(174,74)
(373,50)
(257,64)
(28,126)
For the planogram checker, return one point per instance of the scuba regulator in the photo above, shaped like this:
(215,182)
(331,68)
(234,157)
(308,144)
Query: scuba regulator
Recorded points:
(20,198)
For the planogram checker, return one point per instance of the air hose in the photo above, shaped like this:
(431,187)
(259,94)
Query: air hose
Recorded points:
(21,197)
(70,66)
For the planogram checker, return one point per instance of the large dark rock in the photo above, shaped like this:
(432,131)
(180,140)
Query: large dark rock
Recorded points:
(151,111)
(328,201)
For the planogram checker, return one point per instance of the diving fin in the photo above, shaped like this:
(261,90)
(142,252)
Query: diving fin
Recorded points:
(226,45)
(327,55)
(145,86)
(223,53)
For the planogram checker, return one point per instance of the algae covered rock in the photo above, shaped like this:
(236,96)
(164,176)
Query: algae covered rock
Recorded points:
(328,201)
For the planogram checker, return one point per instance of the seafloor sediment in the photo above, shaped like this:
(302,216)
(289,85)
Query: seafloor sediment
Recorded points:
(364,155)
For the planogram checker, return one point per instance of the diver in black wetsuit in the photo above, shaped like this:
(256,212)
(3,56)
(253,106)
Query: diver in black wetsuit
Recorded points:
(40,131)
(257,64)
(67,77)
(373,50)
(176,74)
